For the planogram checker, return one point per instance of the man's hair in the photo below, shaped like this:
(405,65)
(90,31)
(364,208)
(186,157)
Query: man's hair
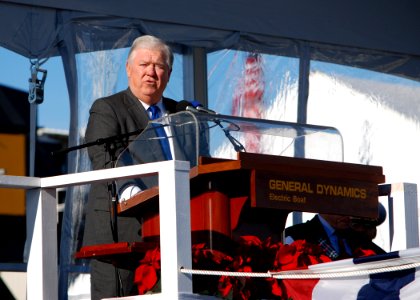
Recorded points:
(152,43)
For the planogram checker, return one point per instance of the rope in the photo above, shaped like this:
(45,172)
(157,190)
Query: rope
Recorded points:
(224,273)
(303,274)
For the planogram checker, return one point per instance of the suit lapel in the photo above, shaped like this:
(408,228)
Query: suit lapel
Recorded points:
(136,110)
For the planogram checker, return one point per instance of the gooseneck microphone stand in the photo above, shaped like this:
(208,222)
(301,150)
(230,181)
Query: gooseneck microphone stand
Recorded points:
(111,149)
(110,144)
(101,141)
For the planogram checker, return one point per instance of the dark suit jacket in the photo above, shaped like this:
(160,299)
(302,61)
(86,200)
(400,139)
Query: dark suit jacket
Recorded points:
(313,232)
(120,113)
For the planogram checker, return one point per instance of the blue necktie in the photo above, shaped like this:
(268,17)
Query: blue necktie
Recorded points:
(160,132)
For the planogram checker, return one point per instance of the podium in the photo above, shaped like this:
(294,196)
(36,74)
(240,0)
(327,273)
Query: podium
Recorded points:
(229,196)
(243,193)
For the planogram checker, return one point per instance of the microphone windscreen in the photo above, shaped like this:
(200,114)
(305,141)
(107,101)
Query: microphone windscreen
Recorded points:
(182,105)
(196,104)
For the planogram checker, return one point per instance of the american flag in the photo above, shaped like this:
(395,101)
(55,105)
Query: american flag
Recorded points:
(390,276)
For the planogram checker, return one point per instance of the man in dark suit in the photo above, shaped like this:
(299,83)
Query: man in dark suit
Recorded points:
(148,68)
(338,236)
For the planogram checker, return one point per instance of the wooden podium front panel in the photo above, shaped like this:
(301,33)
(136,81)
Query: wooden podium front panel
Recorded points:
(314,194)
(314,185)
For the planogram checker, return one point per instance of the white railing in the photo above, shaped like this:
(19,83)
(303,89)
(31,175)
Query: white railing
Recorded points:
(401,228)
(42,268)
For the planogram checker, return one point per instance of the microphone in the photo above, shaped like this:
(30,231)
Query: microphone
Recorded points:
(185,105)
(198,106)
(193,106)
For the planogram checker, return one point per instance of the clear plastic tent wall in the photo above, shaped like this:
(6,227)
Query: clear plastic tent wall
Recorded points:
(102,72)
(377,114)
(262,80)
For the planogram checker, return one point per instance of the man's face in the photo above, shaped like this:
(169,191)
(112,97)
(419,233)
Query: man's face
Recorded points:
(148,74)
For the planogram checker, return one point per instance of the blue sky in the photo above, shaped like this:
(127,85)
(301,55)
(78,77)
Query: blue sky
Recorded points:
(15,72)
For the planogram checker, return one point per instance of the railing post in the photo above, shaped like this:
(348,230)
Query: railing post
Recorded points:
(405,210)
(401,228)
(41,216)
(175,228)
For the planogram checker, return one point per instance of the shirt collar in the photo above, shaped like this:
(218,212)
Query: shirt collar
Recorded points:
(159,104)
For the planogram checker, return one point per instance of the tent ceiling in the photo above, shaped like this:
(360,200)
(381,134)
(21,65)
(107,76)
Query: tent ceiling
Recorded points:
(392,26)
